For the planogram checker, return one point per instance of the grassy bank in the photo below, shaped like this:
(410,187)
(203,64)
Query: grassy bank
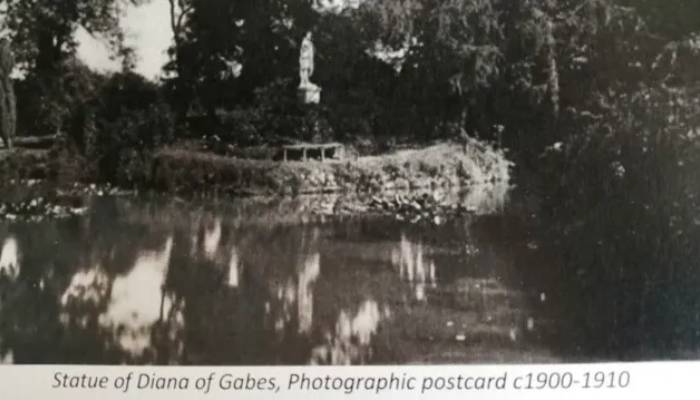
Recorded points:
(23,164)
(442,165)
(189,171)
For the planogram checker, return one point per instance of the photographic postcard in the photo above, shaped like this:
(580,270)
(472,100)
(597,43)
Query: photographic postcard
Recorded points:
(285,198)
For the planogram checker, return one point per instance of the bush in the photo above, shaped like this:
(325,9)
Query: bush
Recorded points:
(126,144)
(275,116)
(241,127)
(622,215)
(46,104)
(110,125)
(119,129)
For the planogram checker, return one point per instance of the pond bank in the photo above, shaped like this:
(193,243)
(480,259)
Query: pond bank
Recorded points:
(408,184)
(445,165)
(23,164)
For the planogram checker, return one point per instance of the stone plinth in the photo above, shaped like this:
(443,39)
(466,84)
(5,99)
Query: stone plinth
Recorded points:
(309,94)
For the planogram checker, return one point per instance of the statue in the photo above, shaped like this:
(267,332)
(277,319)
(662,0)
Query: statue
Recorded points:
(8,102)
(308,91)
(306,61)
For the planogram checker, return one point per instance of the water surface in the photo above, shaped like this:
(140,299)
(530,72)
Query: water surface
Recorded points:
(270,281)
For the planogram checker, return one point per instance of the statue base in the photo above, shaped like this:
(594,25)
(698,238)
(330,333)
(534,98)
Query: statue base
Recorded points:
(309,94)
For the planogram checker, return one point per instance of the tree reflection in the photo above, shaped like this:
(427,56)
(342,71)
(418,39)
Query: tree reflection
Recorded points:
(157,283)
(414,266)
(351,339)
(9,259)
(136,302)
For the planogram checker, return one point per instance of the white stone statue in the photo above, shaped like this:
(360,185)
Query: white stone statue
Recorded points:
(306,62)
(309,93)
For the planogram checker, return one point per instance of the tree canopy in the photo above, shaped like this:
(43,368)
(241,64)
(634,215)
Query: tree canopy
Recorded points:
(413,69)
(43,31)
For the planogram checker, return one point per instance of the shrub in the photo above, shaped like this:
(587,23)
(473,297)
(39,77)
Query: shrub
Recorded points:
(126,144)
(118,130)
(241,127)
(621,210)
(46,104)
(274,116)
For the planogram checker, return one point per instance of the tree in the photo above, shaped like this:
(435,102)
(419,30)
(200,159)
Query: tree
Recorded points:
(260,36)
(43,31)
(470,64)
(672,19)
(44,41)
(180,11)
(8,105)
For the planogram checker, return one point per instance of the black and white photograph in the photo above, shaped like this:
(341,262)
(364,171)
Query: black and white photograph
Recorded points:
(349,182)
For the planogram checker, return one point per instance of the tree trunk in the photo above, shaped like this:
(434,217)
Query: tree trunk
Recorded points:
(553,84)
(178,13)
(8,102)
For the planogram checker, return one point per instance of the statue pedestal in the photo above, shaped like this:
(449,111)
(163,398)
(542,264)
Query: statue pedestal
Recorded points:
(309,94)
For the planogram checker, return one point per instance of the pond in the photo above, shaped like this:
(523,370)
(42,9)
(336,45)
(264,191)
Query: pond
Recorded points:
(272,281)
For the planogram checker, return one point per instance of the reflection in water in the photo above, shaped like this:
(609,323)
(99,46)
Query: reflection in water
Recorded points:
(350,342)
(9,258)
(414,266)
(364,325)
(193,287)
(310,271)
(234,268)
(137,301)
(87,290)
(297,294)
(87,287)
(487,199)
(212,238)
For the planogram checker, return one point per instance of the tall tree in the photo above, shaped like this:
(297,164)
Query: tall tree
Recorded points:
(8,105)
(453,51)
(43,31)
(43,36)
(672,19)
(259,36)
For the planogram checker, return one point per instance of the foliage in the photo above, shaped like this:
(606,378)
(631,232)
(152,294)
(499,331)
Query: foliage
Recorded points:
(672,19)
(109,127)
(8,101)
(598,99)
(261,36)
(131,120)
(274,117)
(622,201)
(46,103)
(621,213)
(599,102)
(439,166)
(43,31)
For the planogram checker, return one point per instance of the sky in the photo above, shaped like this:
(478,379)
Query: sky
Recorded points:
(148,32)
